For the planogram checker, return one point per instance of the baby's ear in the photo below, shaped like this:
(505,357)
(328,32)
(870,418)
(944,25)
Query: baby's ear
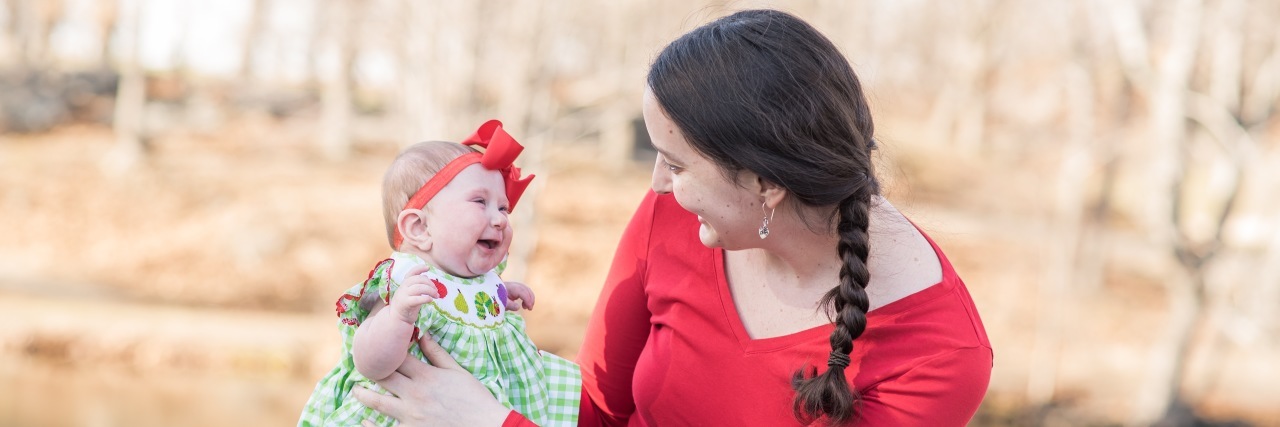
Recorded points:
(412,224)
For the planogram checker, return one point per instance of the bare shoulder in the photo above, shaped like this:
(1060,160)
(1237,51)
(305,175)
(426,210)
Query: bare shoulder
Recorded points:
(902,262)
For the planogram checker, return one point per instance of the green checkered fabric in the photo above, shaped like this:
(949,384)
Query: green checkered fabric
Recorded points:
(469,322)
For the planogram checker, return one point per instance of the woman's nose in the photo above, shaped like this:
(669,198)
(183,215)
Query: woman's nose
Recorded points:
(661,182)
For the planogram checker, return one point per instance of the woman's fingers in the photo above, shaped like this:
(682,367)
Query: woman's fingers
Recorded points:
(399,381)
(436,354)
(377,401)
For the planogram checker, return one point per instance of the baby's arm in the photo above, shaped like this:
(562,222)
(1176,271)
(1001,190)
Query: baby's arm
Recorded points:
(382,340)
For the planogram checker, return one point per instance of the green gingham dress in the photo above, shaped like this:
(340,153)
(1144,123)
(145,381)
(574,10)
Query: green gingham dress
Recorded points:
(470,321)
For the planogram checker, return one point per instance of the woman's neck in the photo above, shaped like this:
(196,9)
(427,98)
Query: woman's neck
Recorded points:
(797,257)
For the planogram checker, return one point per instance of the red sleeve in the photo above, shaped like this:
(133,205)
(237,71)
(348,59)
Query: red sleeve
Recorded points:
(608,360)
(586,416)
(514,419)
(944,391)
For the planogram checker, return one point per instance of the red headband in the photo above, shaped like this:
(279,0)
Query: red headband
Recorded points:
(500,153)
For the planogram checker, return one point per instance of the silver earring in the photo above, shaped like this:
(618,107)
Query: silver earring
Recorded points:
(764,224)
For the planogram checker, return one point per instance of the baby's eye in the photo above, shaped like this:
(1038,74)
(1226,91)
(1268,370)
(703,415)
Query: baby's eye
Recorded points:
(505,209)
(478,200)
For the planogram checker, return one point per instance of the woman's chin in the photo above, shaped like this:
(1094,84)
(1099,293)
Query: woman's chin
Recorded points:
(708,236)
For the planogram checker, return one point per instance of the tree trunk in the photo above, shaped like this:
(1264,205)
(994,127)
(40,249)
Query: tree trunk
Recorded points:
(259,16)
(959,114)
(33,21)
(1056,298)
(1165,87)
(440,71)
(131,96)
(616,140)
(335,96)
(524,106)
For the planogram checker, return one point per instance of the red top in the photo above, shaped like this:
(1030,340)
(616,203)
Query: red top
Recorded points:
(665,345)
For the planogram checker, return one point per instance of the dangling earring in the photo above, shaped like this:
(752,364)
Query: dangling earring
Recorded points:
(764,224)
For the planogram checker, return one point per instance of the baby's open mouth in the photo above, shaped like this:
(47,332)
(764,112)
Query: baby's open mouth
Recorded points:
(489,244)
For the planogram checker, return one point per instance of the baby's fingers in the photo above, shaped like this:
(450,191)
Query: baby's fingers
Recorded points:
(413,301)
(411,288)
(518,291)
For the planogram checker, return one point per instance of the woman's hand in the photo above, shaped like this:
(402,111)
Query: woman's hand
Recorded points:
(439,395)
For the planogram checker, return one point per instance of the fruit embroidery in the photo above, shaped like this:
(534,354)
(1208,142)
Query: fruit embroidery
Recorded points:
(502,294)
(460,303)
(443,291)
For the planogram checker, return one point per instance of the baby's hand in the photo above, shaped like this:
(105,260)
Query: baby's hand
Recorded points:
(414,291)
(518,291)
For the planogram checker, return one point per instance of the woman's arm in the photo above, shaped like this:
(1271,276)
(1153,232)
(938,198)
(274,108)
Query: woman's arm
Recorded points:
(619,325)
(382,341)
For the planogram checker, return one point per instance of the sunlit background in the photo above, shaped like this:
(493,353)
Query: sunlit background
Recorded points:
(186,186)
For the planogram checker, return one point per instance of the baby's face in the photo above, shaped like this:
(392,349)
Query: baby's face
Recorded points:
(467,223)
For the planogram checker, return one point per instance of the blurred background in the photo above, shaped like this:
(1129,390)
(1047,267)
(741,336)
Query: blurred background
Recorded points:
(187,186)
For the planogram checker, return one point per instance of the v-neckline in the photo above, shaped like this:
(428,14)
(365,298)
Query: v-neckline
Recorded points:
(756,345)
(780,342)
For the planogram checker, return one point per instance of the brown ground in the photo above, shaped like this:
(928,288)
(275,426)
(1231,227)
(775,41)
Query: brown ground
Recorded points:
(197,289)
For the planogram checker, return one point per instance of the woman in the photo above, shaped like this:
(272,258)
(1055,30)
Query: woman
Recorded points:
(805,296)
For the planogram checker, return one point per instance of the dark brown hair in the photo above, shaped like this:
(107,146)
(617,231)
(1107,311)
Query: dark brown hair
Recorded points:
(764,91)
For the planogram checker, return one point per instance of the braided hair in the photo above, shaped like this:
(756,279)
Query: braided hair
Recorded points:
(762,90)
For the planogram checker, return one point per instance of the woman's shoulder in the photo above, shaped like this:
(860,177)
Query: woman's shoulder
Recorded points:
(903,260)
(917,285)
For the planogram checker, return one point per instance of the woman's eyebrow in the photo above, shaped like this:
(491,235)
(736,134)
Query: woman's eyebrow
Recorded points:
(666,155)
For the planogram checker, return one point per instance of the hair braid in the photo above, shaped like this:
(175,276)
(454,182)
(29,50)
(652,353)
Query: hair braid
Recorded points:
(829,393)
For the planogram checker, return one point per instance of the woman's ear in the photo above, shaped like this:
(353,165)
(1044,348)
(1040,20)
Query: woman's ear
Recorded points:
(772,193)
(412,224)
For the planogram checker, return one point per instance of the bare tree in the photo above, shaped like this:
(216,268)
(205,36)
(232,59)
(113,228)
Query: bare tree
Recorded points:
(339,18)
(259,16)
(959,113)
(32,23)
(131,95)
(439,65)
(1175,204)
(615,120)
(1069,223)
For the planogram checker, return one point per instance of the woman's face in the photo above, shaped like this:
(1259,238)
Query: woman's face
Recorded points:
(729,214)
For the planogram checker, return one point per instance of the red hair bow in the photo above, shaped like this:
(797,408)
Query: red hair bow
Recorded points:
(500,154)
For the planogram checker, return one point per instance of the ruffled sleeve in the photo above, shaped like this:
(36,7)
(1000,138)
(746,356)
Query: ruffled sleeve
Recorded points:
(348,305)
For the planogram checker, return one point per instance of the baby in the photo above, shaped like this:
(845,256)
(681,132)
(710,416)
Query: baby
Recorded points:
(445,206)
